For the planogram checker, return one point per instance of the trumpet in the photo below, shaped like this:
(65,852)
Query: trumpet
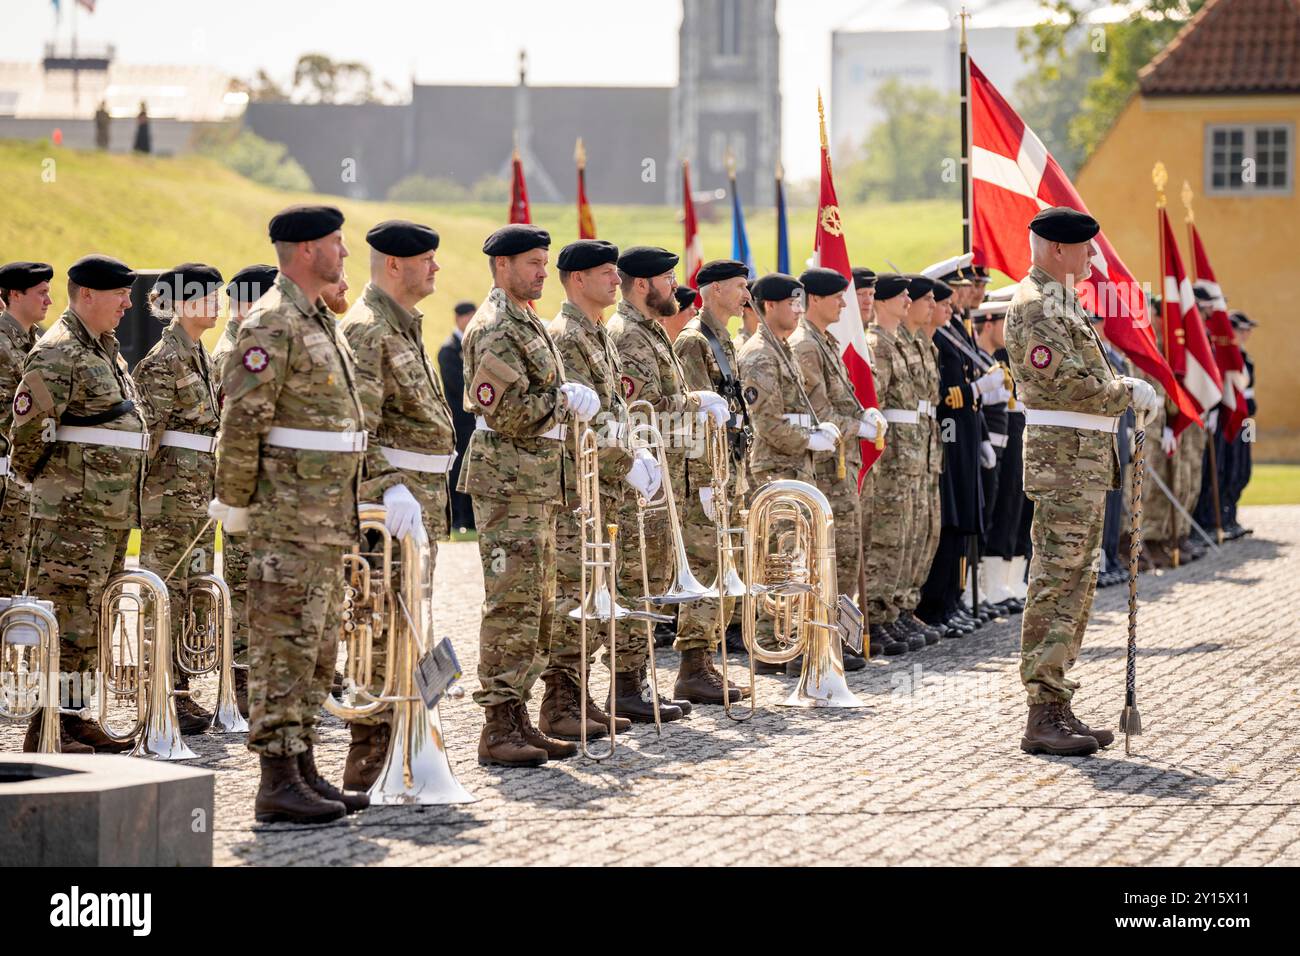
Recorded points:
(790,566)
(207,645)
(135,665)
(393,597)
(29,666)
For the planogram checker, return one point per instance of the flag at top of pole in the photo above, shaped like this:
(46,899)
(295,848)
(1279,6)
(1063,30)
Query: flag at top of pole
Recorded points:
(832,252)
(739,238)
(1227,351)
(586,221)
(518,190)
(694,257)
(782,230)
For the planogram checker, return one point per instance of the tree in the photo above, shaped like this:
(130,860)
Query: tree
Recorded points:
(906,154)
(319,79)
(255,158)
(427,189)
(260,88)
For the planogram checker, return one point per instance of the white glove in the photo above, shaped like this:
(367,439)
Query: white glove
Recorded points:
(645,475)
(1144,396)
(403,512)
(711,403)
(999,396)
(582,401)
(234,520)
(1212,421)
(819,440)
(988,457)
(831,430)
(867,428)
(1168,443)
(706,499)
(988,385)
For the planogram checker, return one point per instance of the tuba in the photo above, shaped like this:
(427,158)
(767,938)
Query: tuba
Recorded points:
(207,645)
(392,596)
(29,666)
(790,564)
(135,665)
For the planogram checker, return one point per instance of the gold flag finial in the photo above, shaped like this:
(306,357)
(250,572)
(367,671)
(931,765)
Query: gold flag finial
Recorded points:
(821,118)
(1160,176)
(780,170)
(730,160)
(1187,196)
(515,154)
(580,154)
(963,16)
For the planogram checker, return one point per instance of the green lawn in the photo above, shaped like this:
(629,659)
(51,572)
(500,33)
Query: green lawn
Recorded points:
(1273,485)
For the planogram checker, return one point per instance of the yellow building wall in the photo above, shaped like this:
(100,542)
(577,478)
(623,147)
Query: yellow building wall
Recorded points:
(1252,242)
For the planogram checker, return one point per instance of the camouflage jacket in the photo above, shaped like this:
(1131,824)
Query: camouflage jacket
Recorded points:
(905,447)
(222,355)
(178,383)
(831,392)
(513,373)
(1059,364)
(293,370)
(740,338)
(769,374)
(71,377)
(402,395)
(15,344)
(700,370)
(927,362)
(591,359)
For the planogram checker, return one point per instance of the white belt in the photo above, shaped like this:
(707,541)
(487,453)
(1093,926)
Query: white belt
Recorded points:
(94,435)
(901,416)
(557,433)
(1018,410)
(803,421)
(997,441)
(1096,423)
(926,408)
(204,443)
(416,461)
(309,439)
(4,466)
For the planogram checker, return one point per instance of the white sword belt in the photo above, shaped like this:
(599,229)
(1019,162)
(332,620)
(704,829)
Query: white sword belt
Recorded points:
(417,461)
(556,433)
(94,435)
(901,416)
(926,408)
(190,440)
(310,439)
(1096,423)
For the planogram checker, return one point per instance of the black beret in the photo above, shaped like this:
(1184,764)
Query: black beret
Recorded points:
(304,223)
(918,285)
(1063,224)
(822,281)
(890,284)
(516,239)
(250,283)
(466,308)
(21,276)
(942,290)
(685,296)
(101,273)
(775,287)
(720,269)
(586,254)
(402,238)
(646,262)
(957,277)
(187,281)
(863,278)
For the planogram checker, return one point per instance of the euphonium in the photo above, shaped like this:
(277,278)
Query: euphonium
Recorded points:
(207,645)
(790,558)
(135,664)
(29,666)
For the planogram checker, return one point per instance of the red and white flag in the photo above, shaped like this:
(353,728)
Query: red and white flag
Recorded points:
(694,257)
(1223,337)
(831,251)
(1187,347)
(519,211)
(1014,176)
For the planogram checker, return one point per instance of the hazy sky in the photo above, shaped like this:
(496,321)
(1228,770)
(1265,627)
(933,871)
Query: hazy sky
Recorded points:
(569,42)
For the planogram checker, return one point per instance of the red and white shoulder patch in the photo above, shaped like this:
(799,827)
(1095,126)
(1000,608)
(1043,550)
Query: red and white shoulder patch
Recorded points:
(22,403)
(1040,356)
(485,394)
(256,360)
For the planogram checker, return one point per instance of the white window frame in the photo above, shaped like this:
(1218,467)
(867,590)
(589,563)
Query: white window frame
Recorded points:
(1249,131)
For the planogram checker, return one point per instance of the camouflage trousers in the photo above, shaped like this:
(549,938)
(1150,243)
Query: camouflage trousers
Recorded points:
(234,570)
(926,526)
(15,537)
(73,563)
(516,544)
(1066,538)
(1157,513)
(1188,472)
(163,540)
(294,592)
(566,632)
(697,622)
(632,653)
(891,539)
(866,494)
(843,496)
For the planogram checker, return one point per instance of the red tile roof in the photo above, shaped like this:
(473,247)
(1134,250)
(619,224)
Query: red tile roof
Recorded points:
(1230,47)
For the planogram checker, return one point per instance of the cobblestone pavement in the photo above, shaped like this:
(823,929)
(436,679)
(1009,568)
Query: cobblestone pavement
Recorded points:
(928,772)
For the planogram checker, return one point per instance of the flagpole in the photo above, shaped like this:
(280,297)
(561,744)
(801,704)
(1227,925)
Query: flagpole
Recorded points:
(1160,176)
(1187,196)
(964,55)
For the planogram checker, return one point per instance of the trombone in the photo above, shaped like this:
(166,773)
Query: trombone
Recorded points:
(29,666)
(207,645)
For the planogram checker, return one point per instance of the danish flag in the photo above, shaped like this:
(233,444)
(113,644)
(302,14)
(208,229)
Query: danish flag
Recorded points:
(1014,176)
(1186,344)
(694,247)
(1227,352)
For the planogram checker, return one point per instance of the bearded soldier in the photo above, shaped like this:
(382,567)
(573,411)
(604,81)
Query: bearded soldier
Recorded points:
(1073,398)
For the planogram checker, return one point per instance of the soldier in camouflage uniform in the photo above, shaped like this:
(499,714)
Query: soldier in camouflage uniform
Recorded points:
(898,470)
(702,345)
(78,439)
(589,272)
(833,399)
(864,287)
(514,383)
(687,309)
(1072,397)
(178,384)
(245,287)
(653,373)
(24,300)
(288,465)
(412,442)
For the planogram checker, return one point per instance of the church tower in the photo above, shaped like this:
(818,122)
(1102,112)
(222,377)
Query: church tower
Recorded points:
(728,97)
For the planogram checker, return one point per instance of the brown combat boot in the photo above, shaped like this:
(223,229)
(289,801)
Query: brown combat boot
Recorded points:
(284,797)
(366,755)
(621,724)
(502,741)
(190,717)
(1104,738)
(90,733)
(699,681)
(352,802)
(560,716)
(631,693)
(555,749)
(67,743)
(1048,732)
(241,689)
